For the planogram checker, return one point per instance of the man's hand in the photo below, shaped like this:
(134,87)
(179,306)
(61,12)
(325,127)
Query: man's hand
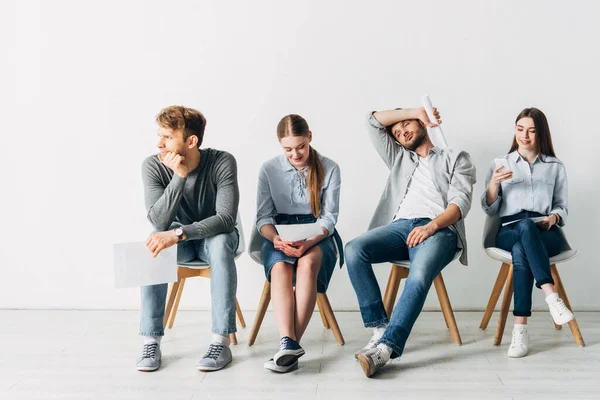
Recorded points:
(174,162)
(547,222)
(419,234)
(422,115)
(161,240)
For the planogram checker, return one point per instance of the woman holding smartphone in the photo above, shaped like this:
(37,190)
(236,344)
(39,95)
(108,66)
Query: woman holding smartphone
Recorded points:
(296,187)
(527,189)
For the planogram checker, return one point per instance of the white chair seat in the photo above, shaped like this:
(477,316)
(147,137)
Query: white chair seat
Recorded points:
(505,256)
(406,263)
(199,264)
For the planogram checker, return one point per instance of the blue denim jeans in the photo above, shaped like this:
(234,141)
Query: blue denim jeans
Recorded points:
(218,251)
(531,248)
(388,243)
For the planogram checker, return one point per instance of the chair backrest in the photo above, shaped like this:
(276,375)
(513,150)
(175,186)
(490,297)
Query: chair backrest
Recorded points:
(492,225)
(256,241)
(490,229)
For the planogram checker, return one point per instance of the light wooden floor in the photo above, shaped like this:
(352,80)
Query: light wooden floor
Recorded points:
(91,355)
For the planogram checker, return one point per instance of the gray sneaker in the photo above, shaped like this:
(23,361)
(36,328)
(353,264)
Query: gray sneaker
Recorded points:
(372,360)
(217,356)
(150,358)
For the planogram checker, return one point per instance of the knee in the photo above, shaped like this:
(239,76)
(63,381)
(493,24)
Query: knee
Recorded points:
(526,226)
(353,251)
(419,280)
(308,268)
(221,246)
(281,270)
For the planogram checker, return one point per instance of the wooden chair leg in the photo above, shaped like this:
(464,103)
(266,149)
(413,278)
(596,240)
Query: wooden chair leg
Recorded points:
(240,316)
(496,291)
(506,300)
(233,338)
(323,317)
(397,273)
(563,295)
(176,304)
(263,304)
(331,318)
(173,288)
(442,294)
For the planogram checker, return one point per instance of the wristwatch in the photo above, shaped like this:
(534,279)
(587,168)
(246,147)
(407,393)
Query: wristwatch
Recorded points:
(179,233)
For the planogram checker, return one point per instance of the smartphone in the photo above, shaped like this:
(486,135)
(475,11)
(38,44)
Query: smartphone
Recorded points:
(501,162)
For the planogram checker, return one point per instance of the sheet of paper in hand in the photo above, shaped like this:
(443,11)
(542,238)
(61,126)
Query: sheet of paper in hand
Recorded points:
(296,232)
(134,265)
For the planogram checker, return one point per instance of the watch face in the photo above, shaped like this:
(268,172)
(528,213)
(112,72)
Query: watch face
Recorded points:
(178,231)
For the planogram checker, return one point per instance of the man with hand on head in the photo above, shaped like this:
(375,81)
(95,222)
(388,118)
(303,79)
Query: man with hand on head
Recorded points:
(192,198)
(420,217)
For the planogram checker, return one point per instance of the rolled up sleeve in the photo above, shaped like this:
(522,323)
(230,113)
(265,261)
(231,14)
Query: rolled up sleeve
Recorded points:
(463,178)
(265,207)
(330,201)
(494,208)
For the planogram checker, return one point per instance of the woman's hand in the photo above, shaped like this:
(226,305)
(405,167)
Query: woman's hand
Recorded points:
(547,222)
(498,177)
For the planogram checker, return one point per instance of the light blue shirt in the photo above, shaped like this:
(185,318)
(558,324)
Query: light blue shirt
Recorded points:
(540,187)
(282,190)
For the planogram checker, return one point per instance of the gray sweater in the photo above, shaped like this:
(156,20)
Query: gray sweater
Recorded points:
(205,202)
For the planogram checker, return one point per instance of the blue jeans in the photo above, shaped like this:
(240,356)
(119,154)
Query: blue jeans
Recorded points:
(218,251)
(531,248)
(388,243)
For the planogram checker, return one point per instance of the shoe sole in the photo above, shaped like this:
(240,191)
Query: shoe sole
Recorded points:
(366,365)
(148,369)
(210,369)
(286,357)
(281,369)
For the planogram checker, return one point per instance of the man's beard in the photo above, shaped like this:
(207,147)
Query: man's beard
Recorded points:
(419,137)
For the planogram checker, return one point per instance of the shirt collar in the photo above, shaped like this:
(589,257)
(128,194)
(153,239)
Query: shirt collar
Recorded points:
(516,157)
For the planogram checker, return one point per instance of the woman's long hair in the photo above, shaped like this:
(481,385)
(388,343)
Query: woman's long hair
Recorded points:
(542,131)
(295,125)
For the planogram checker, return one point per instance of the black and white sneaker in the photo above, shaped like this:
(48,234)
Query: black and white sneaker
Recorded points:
(289,350)
(270,365)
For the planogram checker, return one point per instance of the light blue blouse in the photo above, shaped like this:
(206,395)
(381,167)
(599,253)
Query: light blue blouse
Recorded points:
(282,190)
(539,187)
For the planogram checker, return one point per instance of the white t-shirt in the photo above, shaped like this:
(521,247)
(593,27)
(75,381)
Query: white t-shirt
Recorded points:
(422,199)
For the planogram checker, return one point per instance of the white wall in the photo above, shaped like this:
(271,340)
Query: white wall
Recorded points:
(82,81)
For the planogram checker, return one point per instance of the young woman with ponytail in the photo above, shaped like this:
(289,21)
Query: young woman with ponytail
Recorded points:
(299,186)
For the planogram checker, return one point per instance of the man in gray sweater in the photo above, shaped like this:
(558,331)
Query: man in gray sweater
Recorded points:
(420,217)
(192,200)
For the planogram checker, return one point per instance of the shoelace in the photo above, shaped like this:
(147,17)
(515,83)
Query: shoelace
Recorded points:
(517,338)
(560,306)
(149,350)
(285,342)
(214,351)
(373,341)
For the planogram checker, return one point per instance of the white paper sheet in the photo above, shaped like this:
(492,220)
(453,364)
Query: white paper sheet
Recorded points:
(435,133)
(134,265)
(534,219)
(293,233)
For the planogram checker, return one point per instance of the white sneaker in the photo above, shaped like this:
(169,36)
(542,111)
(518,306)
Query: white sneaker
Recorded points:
(559,311)
(377,335)
(519,347)
(372,360)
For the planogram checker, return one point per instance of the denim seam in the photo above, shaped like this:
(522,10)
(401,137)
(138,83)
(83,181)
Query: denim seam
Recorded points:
(376,323)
